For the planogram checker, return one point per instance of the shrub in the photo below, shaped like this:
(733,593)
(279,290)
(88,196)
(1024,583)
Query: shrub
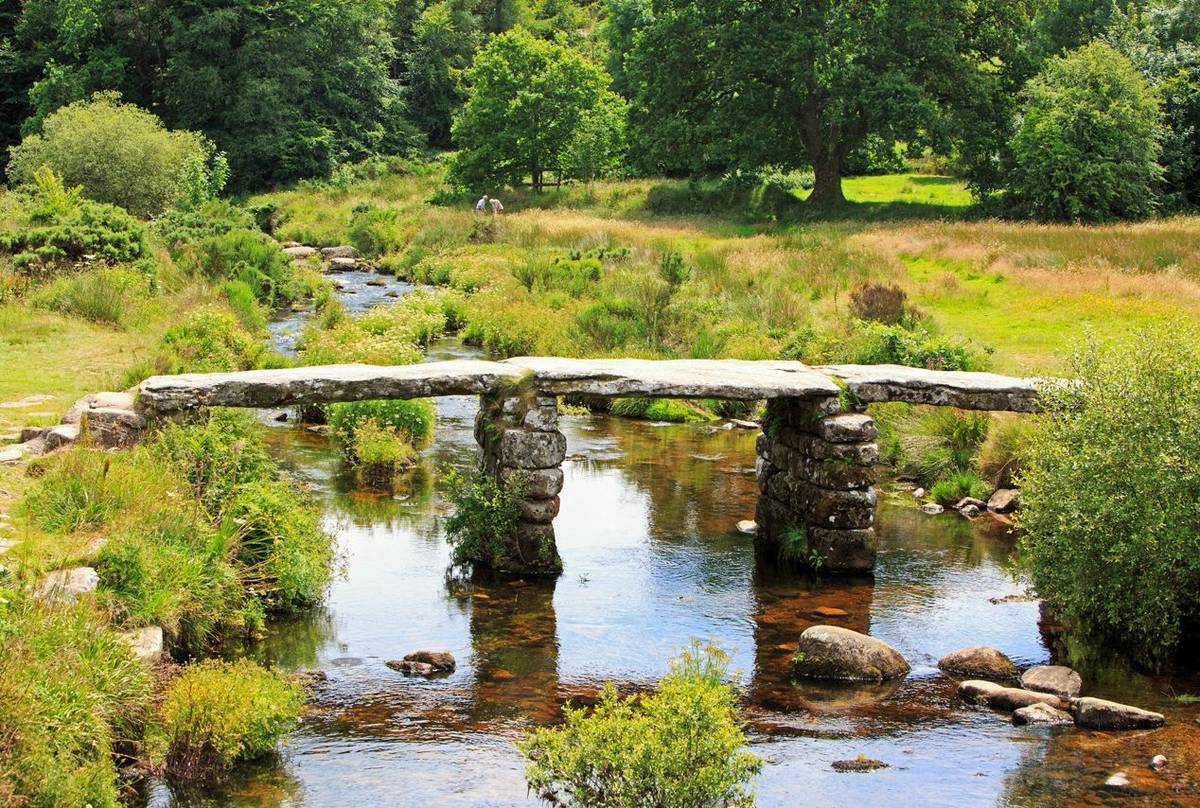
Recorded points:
(209,339)
(411,420)
(103,295)
(119,154)
(659,409)
(483,526)
(958,484)
(679,747)
(348,342)
(1086,144)
(181,226)
(276,536)
(1108,499)
(374,230)
(888,344)
(217,714)
(379,452)
(63,229)
(879,303)
(251,257)
(70,690)
(216,457)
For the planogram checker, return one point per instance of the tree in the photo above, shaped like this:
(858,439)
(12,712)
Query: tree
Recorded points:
(622,21)
(1086,146)
(725,84)
(117,152)
(535,106)
(444,40)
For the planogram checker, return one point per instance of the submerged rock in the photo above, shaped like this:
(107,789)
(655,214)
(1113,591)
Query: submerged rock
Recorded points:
(411,668)
(1056,679)
(932,508)
(1117,781)
(1093,713)
(1158,762)
(1041,715)
(862,763)
(969,512)
(978,661)
(424,663)
(970,502)
(831,652)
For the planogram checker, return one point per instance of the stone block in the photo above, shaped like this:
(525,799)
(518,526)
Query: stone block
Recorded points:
(532,450)
(113,428)
(541,418)
(847,428)
(61,435)
(839,510)
(845,552)
(539,511)
(839,475)
(539,483)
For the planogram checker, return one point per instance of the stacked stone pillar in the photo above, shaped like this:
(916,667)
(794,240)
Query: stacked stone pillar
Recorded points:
(520,439)
(816,481)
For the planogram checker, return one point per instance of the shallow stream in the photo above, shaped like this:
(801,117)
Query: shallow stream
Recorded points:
(652,560)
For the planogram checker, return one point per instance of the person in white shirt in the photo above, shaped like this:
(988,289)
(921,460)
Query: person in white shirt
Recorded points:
(497,208)
(482,204)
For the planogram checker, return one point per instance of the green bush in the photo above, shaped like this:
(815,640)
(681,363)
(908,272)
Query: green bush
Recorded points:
(216,457)
(1086,146)
(209,339)
(880,344)
(119,154)
(679,747)
(1004,453)
(69,690)
(217,714)
(483,526)
(1108,498)
(62,229)
(278,541)
(410,420)
(374,230)
(379,452)
(942,443)
(659,409)
(251,257)
(106,295)
(216,217)
(959,484)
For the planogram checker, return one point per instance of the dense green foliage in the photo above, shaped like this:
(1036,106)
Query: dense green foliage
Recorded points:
(535,107)
(216,714)
(483,526)
(1086,147)
(248,256)
(116,152)
(412,420)
(678,747)
(1109,494)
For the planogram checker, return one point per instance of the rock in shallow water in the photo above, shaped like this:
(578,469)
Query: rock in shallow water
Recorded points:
(1041,715)
(978,661)
(1056,679)
(747,526)
(831,652)
(1093,713)
(932,508)
(998,697)
(424,663)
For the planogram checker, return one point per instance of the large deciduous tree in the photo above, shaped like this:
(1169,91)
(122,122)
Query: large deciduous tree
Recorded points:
(723,84)
(535,106)
(444,40)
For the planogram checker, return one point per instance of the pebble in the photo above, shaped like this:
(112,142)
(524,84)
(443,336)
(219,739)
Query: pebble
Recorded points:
(1117,780)
(747,526)
(1158,762)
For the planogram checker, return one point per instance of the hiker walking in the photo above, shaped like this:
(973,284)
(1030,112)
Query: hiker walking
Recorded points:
(482,204)
(497,208)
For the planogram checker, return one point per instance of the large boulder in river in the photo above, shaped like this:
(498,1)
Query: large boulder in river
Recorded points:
(1004,500)
(344,251)
(978,662)
(1041,715)
(998,697)
(1056,679)
(831,652)
(1100,714)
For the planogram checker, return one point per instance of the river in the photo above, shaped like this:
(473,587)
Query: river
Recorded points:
(652,560)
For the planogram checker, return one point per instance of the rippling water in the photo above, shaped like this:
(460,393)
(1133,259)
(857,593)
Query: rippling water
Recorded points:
(651,560)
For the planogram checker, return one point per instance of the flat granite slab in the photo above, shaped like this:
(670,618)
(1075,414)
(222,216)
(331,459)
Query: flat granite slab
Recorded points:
(676,378)
(950,388)
(324,384)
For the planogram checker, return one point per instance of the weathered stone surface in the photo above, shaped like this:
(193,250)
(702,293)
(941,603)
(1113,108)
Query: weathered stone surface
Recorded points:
(977,691)
(60,436)
(1041,715)
(1005,500)
(968,391)
(747,526)
(345,265)
(541,418)
(343,251)
(299,253)
(1100,714)
(978,661)
(844,552)
(932,508)
(539,483)
(94,401)
(113,428)
(811,446)
(541,511)
(324,384)
(678,378)
(832,652)
(531,450)
(838,475)
(66,586)
(847,428)
(1056,679)
(146,642)
(440,660)
(28,401)
(411,668)
(970,502)
(1014,698)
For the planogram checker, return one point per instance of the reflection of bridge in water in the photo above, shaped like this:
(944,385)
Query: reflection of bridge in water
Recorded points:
(815,455)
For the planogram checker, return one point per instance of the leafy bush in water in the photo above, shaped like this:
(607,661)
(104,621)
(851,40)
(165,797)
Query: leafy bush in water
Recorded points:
(119,153)
(348,342)
(278,541)
(1087,140)
(217,714)
(103,295)
(410,420)
(679,747)
(210,339)
(70,689)
(379,452)
(64,229)
(1108,498)
(881,344)
(251,257)
(485,518)
(958,484)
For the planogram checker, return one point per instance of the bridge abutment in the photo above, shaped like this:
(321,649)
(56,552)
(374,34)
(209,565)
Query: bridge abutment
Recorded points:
(520,441)
(817,485)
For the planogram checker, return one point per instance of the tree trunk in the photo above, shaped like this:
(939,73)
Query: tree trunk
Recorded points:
(827,188)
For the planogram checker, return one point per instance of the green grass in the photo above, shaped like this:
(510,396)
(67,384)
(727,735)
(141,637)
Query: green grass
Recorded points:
(900,196)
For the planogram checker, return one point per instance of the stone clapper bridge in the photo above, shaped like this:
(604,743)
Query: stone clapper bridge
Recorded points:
(816,453)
